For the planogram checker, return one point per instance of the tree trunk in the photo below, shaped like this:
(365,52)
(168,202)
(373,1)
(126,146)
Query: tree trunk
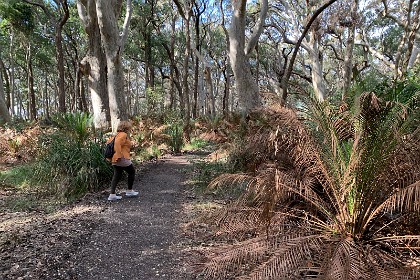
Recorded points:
(348,58)
(94,65)
(316,63)
(31,92)
(246,85)
(226,91)
(171,53)
(46,97)
(6,82)
(113,43)
(12,75)
(4,112)
(60,56)
(195,90)
(185,88)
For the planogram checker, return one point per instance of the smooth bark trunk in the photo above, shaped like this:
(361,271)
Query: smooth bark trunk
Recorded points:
(94,65)
(4,112)
(113,42)
(246,85)
(348,58)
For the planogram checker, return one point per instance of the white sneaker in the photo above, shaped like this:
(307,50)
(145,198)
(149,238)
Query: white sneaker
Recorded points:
(113,197)
(131,193)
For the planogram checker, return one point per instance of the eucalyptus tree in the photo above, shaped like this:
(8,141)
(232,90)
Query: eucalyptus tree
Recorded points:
(4,111)
(17,22)
(239,52)
(392,35)
(100,19)
(185,9)
(149,30)
(93,64)
(58,12)
(113,41)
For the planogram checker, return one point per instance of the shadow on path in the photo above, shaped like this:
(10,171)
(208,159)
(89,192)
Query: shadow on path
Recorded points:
(140,238)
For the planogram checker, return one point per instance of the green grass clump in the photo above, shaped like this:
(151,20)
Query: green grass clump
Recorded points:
(68,168)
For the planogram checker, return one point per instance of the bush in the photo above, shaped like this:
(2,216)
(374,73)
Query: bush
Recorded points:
(68,168)
(175,131)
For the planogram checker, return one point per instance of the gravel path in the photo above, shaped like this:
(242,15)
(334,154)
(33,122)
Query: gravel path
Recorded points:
(140,238)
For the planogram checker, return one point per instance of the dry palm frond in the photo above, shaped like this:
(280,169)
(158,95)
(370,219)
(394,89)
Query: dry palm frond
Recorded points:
(336,179)
(264,256)
(346,262)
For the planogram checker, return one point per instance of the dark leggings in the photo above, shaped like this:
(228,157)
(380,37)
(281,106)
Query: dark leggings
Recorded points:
(118,172)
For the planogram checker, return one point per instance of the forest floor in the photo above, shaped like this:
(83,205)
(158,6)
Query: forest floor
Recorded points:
(144,237)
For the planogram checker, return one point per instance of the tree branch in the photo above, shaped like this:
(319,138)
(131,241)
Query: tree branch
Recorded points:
(259,27)
(129,11)
(286,77)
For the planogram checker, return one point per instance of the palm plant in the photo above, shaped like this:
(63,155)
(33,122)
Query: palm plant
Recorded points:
(336,197)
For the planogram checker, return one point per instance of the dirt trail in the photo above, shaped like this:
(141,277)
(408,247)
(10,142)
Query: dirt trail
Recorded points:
(140,238)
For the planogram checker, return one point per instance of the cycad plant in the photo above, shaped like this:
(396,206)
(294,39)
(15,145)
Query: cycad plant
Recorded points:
(336,196)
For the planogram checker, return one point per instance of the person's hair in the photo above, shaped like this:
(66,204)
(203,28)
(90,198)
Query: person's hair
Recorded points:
(124,126)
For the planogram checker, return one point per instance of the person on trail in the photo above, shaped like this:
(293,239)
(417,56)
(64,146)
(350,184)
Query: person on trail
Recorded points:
(121,161)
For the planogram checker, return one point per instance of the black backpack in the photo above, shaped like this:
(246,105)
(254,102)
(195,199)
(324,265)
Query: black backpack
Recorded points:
(109,149)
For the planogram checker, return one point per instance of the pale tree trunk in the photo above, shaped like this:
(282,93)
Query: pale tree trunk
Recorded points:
(108,12)
(348,58)
(197,17)
(316,72)
(411,49)
(289,69)
(411,26)
(4,112)
(414,57)
(6,82)
(94,65)
(185,87)
(246,85)
(12,75)
(46,97)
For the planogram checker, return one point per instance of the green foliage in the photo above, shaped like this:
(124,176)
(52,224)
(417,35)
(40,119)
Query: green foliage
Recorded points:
(176,141)
(175,131)
(69,168)
(18,177)
(18,14)
(155,151)
(154,99)
(197,144)
(76,125)
(205,172)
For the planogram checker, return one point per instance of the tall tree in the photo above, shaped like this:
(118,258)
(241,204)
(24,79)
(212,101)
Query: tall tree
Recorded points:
(62,10)
(94,64)
(113,41)
(185,9)
(4,111)
(239,52)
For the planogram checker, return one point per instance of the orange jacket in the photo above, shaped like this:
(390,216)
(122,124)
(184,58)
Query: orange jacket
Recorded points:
(122,146)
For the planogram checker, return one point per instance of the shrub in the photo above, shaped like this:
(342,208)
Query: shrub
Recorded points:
(68,168)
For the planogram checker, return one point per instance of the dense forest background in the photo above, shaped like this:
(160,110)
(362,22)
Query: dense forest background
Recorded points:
(204,58)
(313,107)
